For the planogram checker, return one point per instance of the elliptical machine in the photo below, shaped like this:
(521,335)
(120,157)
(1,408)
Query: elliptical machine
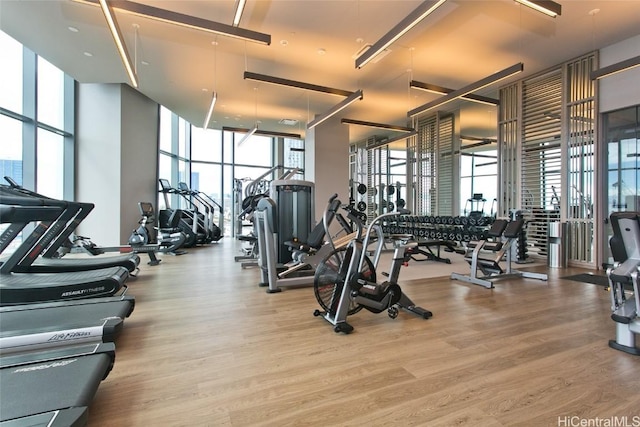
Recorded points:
(168,240)
(345,281)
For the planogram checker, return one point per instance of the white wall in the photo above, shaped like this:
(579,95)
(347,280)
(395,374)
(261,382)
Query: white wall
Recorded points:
(622,89)
(327,162)
(116,162)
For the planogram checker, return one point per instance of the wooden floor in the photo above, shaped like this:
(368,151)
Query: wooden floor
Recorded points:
(206,346)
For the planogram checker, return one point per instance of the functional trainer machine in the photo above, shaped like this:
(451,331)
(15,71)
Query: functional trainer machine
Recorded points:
(624,280)
(486,255)
(286,217)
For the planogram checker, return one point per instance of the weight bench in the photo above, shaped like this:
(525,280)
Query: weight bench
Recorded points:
(624,281)
(486,255)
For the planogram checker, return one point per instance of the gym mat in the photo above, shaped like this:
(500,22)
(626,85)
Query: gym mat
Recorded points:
(595,279)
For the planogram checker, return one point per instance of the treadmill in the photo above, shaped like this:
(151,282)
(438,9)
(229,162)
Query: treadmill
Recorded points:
(30,327)
(53,387)
(42,258)
(20,288)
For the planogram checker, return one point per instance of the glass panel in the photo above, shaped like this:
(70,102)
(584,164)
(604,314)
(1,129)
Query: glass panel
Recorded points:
(11,148)
(50,94)
(206,145)
(10,74)
(183,203)
(182,138)
(50,161)
(294,155)
(165,130)
(164,171)
(227,200)
(622,133)
(256,151)
(206,178)
(227,148)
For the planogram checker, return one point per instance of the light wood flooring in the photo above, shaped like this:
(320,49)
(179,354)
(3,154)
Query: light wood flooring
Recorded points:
(206,346)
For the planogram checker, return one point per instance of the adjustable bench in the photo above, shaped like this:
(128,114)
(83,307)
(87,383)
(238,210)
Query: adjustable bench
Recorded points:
(487,254)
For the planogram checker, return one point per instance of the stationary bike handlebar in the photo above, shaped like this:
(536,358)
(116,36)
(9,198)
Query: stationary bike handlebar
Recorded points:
(357,218)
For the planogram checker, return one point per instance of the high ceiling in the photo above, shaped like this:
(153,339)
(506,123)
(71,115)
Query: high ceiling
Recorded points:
(315,41)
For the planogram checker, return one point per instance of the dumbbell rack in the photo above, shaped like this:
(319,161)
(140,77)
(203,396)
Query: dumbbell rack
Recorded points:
(453,228)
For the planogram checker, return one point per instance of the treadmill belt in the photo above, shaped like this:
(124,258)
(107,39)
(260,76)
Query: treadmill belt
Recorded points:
(51,385)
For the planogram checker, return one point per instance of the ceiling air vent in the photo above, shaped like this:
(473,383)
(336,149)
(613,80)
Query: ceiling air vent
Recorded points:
(288,122)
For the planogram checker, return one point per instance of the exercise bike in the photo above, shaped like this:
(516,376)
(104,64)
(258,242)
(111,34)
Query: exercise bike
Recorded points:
(345,280)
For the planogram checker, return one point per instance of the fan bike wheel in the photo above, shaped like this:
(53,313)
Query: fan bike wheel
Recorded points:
(328,283)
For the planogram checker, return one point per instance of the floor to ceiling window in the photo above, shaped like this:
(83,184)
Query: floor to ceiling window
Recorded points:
(36,121)
(622,136)
(214,163)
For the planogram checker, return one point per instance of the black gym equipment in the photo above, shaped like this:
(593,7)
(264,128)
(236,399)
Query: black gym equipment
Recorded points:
(52,387)
(19,288)
(169,239)
(624,280)
(487,254)
(206,203)
(193,231)
(40,256)
(345,281)
(278,223)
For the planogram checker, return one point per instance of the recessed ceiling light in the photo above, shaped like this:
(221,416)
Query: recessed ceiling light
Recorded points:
(322,51)
(284,42)
(144,62)
(594,12)
(73,29)
(215,43)
(89,54)
(204,89)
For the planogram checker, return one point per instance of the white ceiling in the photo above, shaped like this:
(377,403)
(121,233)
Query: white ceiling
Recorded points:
(460,43)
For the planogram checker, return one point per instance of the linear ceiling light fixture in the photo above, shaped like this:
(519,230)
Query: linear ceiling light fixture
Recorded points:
(376,125)
(428,87)
(248,75)
(627,64)
(238,15)
(263,132)
(398,31)
(547,7)
(487,81)
(392,140)
(187,21)
(214,98)
(355,96)
(119,41)
(248,135)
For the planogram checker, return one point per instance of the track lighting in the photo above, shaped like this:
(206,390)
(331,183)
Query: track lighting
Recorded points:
(214,98)
(248,75)
(119,41)
(487,81)
(248,135)
(188,21)
(428,87)
(547,7)
(376,125)
(398,31)
(335,109)
(627,64)
(391,140)
(239,9)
